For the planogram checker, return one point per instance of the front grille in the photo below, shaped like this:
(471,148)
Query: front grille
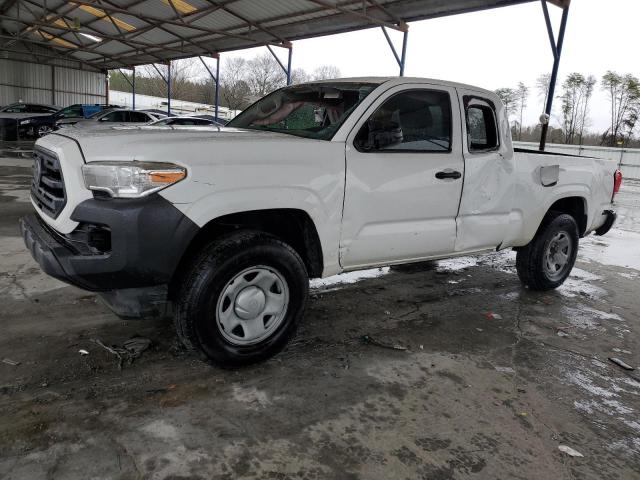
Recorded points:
(47,185)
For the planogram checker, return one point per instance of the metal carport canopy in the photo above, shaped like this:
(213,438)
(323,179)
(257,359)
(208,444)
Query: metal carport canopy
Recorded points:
(136,32)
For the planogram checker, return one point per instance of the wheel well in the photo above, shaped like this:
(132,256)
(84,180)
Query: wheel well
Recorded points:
(292,226)
(574,206)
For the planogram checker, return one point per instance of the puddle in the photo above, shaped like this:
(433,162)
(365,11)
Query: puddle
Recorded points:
(618,248)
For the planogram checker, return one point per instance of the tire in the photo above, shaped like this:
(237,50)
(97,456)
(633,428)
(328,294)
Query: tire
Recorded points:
(538,266)
(241,299)
(43,130)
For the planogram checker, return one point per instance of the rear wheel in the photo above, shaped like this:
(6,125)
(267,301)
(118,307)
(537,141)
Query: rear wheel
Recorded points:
(242,298)
(546,262)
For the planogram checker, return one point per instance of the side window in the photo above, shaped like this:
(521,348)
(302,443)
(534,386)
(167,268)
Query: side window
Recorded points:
(138,117)
(40,109)
(410,121)
(482,126)
(113,117)
(19,108)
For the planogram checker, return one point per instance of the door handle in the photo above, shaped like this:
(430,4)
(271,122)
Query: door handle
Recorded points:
(451,174)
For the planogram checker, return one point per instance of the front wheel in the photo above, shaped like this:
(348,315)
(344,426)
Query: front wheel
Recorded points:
(546,262)
(43,130)
(242,299)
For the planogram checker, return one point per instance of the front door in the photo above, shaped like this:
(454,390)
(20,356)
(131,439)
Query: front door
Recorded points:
(404,178)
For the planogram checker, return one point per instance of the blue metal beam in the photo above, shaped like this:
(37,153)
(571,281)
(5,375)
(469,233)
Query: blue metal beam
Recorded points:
(556,48)
(287,69)
(400,59)
(216,79)
(217,86)
(169,87)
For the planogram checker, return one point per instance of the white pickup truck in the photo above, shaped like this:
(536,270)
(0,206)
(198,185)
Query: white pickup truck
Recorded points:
(228,224)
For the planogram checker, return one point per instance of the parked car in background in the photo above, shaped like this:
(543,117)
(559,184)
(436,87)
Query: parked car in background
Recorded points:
(176,121)
(220,121)
(12,115)
(112,118)
(38,126)
(158,112)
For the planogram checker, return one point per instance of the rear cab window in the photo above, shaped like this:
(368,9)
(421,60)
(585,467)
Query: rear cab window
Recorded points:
(482,124)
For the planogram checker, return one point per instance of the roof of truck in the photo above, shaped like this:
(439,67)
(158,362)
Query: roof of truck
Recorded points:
(403,81)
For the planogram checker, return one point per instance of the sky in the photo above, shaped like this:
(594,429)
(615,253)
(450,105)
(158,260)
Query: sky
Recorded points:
(492,49)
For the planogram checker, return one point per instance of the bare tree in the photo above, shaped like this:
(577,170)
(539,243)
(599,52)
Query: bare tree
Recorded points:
(182,75)
(590,83)
(264,75)
(542,87)
(234,89)
(522,95)
(325,72)
(299,75)
(572,97)
(508,97)
(624,99)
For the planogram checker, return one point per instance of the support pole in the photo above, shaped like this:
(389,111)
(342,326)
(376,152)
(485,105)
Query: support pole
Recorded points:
(216,80)
(217,105)
(287,69)
(169,87)
(403,60)
(289,66)
(556,49)
(53,84)
(400,59)
(132,84)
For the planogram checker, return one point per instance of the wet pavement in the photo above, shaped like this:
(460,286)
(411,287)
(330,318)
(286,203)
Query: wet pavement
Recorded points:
(487,381)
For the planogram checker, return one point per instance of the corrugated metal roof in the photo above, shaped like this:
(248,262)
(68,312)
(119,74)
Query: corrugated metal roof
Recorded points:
(134,32)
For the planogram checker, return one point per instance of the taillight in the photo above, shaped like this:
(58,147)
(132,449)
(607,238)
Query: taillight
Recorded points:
(617,182)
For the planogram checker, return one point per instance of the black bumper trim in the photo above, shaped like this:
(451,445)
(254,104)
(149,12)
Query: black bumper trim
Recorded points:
(148,238)
(608,223)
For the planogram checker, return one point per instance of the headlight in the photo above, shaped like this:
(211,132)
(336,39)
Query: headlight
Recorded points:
(131,179)
(25,122)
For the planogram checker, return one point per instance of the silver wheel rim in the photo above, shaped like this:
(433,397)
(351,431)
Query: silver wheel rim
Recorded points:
(44,130)
(557,255)
(252,305)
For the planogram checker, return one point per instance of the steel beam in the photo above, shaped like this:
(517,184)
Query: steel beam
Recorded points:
(216,80)
(133,88)
(400,59)
(217,87)
(169,87)
(556,49)
(287,69)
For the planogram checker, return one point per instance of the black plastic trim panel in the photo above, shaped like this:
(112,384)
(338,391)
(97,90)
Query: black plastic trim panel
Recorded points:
(148,239)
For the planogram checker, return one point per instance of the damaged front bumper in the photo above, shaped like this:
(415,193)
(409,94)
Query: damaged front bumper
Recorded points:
(127,250)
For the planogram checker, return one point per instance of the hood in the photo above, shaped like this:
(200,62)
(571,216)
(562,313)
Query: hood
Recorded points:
(168,144)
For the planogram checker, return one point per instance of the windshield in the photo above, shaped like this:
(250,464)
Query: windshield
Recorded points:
(310,110)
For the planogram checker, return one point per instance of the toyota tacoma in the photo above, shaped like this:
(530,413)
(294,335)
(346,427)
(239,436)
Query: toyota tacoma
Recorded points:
(224,227)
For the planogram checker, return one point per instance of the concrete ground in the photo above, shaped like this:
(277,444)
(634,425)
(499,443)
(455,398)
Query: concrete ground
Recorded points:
(493,380)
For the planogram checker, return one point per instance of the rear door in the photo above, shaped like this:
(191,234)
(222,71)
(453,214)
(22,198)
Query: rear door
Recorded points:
(404,177)
(486,205)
